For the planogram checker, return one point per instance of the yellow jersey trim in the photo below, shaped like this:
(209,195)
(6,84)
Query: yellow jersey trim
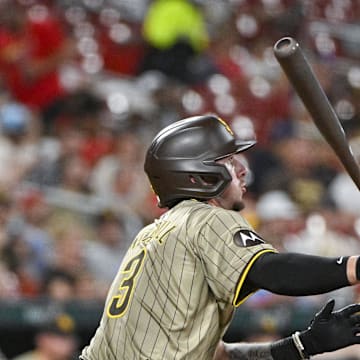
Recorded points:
(236,301)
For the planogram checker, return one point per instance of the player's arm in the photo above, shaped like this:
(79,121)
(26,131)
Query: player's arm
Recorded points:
(328,331)
(293,274)
(249,351)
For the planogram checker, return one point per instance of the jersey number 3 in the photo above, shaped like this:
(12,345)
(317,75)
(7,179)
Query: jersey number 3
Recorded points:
(119,303)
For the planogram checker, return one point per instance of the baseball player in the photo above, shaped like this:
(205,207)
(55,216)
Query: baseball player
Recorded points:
(181,279)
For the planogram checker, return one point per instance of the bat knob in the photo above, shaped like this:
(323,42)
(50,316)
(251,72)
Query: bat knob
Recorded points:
(285,47)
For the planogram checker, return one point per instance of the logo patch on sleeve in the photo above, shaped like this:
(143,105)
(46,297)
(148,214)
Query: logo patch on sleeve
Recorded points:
(246,238)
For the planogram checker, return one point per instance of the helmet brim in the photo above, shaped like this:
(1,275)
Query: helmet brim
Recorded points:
(239,146)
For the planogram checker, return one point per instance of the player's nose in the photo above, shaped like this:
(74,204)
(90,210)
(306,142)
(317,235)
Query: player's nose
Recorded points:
(240,167)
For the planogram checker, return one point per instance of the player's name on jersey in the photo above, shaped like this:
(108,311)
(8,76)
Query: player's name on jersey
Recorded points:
(157,233)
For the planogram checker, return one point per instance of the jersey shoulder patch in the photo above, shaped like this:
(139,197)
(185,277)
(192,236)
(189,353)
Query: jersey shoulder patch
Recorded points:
(247,238)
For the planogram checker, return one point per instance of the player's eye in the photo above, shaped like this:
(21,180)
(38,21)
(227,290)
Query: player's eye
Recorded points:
(229,162)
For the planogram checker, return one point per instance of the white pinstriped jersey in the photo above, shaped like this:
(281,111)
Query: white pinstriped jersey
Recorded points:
(175,292)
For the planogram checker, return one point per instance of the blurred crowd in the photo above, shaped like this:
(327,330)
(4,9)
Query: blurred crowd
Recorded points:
(84,86)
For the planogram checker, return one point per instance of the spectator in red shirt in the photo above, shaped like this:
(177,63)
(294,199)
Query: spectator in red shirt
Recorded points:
(33,46)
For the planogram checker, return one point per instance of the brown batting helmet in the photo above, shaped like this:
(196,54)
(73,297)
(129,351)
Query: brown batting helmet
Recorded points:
(180,161)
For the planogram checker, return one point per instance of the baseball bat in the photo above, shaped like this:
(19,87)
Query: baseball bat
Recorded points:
(297,69)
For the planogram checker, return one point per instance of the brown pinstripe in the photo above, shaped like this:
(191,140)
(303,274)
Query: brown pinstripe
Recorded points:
(173,296)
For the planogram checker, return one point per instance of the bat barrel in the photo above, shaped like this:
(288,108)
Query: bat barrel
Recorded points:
(285,47)
(292,60)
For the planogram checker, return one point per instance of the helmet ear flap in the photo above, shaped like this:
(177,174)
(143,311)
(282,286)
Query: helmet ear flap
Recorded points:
(204,180)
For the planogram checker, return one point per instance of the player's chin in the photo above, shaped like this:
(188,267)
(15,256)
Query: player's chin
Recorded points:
(238,205)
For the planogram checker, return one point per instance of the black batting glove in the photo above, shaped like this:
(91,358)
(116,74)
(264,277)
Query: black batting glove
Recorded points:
(332,330)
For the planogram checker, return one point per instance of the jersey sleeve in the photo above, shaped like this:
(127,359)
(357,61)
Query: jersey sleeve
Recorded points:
(228,247)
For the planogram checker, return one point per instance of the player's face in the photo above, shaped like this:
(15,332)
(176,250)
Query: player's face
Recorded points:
(232,197)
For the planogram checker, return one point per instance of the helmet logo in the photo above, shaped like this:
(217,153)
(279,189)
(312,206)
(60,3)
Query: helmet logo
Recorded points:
(226,125)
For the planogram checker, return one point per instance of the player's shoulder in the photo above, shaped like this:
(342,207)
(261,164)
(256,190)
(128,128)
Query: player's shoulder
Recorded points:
(194,206)
(202,212)
(147,229)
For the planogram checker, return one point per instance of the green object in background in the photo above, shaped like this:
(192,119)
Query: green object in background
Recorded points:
(23,314)
(167,21)
(31,313)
